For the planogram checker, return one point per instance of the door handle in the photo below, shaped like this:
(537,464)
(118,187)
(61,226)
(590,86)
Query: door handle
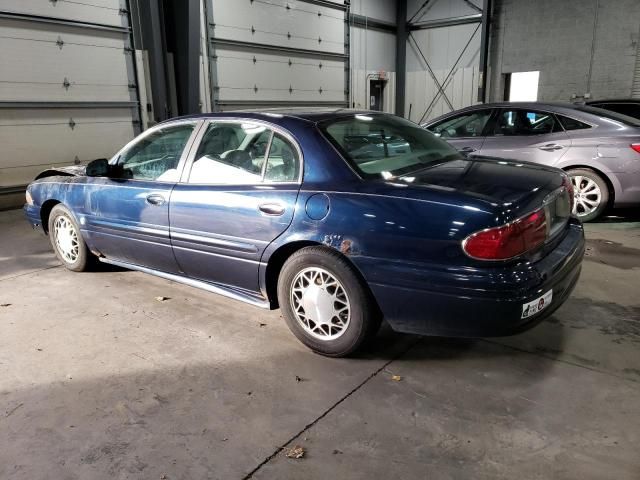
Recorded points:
(550,147)
(468,149)
(155,199)
(274,209)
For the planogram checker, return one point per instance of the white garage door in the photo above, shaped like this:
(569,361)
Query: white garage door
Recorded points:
(67,85)
(278,52)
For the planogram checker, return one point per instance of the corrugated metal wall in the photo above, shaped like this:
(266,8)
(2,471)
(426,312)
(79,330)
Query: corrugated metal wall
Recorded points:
(67,85)
(452,53)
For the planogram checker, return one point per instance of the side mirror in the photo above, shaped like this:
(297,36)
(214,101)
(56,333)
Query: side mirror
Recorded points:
(98,168)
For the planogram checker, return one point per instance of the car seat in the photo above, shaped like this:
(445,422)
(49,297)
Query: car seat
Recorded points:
(241,159)
(284,172)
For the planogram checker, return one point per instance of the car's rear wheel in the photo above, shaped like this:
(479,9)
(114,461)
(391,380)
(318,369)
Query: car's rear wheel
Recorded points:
(591,194)
(67,241)
(324,303)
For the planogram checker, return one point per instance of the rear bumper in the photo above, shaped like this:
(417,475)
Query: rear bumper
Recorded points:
(491,302)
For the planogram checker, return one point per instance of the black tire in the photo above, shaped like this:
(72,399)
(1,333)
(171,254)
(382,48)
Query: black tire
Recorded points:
(363,314)
(587,174)
(82,257)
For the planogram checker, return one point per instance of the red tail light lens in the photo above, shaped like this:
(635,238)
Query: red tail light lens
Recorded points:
(636,147)
(510,240)
(566,183)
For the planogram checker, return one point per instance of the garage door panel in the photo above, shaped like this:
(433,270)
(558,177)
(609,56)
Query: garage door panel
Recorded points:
(299,27)
(32,140)
(104,12)
(277,77)
(95,67)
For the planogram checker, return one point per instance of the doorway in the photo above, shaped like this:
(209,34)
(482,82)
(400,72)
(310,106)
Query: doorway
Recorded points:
(521,86)
(376,94)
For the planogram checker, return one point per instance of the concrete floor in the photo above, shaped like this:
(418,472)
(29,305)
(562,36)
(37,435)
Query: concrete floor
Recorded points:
(100,380)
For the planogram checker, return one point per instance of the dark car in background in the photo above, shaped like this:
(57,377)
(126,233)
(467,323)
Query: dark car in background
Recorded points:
(628,107)
(340,218)
(599,149)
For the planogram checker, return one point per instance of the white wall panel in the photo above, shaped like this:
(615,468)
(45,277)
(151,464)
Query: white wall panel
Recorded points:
(277,77)
(105,12)
(421,91)
(442,47)
(33,139)
(379,9)
(39,59)
(252,75)
(43,61)
(302,25)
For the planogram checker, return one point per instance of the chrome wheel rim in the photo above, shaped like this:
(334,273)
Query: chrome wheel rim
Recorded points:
(587,195)
(66,239)
(320,303)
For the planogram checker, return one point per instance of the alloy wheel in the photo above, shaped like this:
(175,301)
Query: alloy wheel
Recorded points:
(587,195)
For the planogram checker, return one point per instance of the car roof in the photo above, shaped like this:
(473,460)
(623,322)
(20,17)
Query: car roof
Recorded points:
(566,108)
(614,100)
(313,115)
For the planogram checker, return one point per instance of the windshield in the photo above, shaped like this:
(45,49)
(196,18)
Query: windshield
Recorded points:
(618,117)
(384,146)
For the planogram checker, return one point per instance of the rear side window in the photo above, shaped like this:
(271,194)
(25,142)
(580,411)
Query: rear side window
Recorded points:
(571,123)
(244,153)
(521,122)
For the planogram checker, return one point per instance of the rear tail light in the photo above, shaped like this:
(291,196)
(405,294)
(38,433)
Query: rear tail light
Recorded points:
(510,240)
(636,147)
(568,184)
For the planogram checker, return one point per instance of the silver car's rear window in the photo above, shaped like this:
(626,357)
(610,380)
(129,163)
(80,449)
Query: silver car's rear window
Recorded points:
(618,117)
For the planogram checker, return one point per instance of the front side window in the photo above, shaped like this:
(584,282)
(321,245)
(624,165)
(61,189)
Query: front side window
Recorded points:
(156,155)
(462,126)
(520,122)
(383,146)
(243,153)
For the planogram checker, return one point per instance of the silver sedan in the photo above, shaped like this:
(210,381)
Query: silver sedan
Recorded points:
(600,149)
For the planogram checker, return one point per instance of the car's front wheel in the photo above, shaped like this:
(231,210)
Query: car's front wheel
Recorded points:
(591,194)
(324,303)
(67,241)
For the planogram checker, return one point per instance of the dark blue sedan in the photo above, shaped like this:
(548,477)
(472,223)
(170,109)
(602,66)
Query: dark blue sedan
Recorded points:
(340,218)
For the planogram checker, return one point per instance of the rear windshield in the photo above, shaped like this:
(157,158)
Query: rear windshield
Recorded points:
(384,146)
(602,113)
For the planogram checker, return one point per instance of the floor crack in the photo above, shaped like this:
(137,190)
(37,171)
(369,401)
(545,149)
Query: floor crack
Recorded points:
(331,408)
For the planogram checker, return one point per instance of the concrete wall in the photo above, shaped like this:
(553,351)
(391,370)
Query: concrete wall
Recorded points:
(556,38)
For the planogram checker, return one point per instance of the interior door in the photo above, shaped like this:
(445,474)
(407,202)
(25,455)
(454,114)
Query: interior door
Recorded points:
(528,135)
(127,216)
(237,195)
(466,131)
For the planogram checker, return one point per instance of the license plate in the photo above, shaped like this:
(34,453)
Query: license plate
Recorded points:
(537,305)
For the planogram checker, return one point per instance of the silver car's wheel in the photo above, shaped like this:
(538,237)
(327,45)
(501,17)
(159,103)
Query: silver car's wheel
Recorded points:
(590,192)
(320,303)
(587,194)
(66,239)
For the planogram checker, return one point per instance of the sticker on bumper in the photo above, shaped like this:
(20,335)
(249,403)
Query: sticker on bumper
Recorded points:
(537,305)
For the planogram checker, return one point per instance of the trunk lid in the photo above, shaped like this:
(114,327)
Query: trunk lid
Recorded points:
(509,189)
